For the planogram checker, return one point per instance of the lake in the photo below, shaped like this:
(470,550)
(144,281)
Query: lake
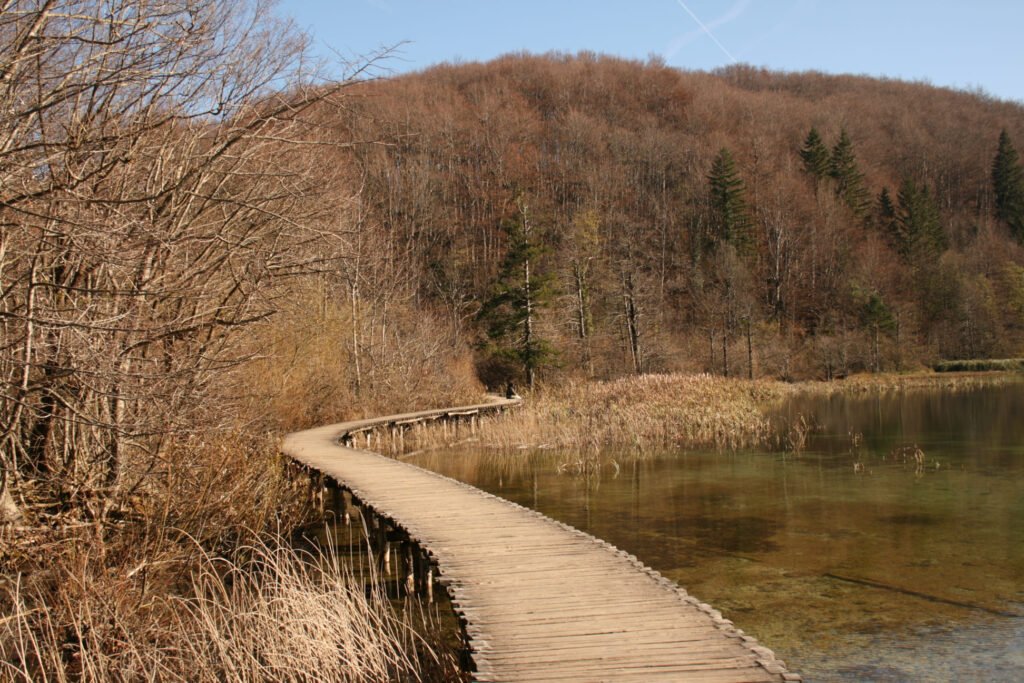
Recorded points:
(891,548)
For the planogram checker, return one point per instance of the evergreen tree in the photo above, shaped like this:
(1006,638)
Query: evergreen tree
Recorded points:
(815,155)
(919,236)
(876,316)
(519,293)
(885,212)
(730,220)
(848,178)
(1008,184)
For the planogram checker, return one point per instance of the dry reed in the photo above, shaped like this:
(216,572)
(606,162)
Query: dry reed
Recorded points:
(918,381)
(649,411)
(271,614)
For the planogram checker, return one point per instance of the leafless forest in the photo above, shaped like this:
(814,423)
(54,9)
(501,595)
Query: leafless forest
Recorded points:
(205,244)
(894,258)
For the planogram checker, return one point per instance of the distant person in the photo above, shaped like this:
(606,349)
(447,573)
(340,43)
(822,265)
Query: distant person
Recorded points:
(510,391)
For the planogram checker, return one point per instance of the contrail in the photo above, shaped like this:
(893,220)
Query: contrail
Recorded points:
(707,31)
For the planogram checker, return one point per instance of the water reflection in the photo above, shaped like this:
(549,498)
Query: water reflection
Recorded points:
(852,561)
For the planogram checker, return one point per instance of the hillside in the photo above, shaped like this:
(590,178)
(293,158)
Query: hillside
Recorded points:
(595,172)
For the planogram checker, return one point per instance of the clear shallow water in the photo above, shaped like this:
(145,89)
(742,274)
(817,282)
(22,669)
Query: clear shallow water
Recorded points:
(877,571)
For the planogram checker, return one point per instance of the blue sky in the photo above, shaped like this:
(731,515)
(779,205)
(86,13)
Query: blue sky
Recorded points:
(965,44)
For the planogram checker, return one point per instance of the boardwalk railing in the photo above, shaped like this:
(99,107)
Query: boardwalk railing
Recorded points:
(539,600)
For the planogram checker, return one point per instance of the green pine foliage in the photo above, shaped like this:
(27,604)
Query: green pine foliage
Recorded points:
(815,155)
(730,216)
(918,233)
(849,181)
(885,210)
(875,314)
(509,316)
(1008,184)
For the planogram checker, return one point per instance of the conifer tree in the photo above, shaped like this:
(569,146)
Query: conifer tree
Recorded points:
(519,293)
(815,155)
(885,212)
(1008,184)
(730,220)
(919,235)
(877,317)
(848,178)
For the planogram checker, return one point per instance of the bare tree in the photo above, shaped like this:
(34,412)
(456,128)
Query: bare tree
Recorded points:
(152,190)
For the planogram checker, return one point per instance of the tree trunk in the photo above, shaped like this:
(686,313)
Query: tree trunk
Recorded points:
(354,297)
(876,365)
(529,360)
(579,272)
(632,323)
(711,350)
(899,354)
(750,353)
(725,354)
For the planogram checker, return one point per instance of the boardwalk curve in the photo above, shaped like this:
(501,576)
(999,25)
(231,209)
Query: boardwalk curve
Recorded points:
(540,601)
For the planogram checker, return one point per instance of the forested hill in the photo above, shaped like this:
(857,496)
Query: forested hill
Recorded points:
(590,214)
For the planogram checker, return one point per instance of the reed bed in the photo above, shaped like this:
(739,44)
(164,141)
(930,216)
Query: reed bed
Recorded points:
(651,412)
(981,365)
(918,381)
(648,411)
(270,614)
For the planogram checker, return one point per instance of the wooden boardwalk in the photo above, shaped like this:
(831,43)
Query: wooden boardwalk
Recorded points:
(541,601)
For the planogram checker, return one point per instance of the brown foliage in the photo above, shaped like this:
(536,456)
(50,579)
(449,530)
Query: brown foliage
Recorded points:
(612,156)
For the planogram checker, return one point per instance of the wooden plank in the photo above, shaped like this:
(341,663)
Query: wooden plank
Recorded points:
(541,601)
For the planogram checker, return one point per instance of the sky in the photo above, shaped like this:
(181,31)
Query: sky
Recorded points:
(968,44)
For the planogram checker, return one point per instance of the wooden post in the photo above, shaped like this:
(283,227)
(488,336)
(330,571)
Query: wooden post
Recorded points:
(410,569)
(337,501)
(424,575)
(346,498)
(383,546)
(318,493)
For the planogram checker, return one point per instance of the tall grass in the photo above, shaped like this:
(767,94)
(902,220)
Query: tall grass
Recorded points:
(269,614)
(190,581)
(129,582)
(648,411)
(918,381)
(981,365)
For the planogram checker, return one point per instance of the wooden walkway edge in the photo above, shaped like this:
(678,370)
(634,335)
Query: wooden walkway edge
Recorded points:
(540,600)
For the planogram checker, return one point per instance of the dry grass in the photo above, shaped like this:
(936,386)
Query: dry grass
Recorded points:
(919,381)
(144,592)
(649,411)
(120,582)
(307,373)
(271,614)
(981,365)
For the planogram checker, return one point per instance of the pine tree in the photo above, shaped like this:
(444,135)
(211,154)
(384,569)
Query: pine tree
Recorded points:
(731,221)
(919,236)
(876,316)
(885,212)
(519,293)
(1008,184)
(848,178)
(815,155)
